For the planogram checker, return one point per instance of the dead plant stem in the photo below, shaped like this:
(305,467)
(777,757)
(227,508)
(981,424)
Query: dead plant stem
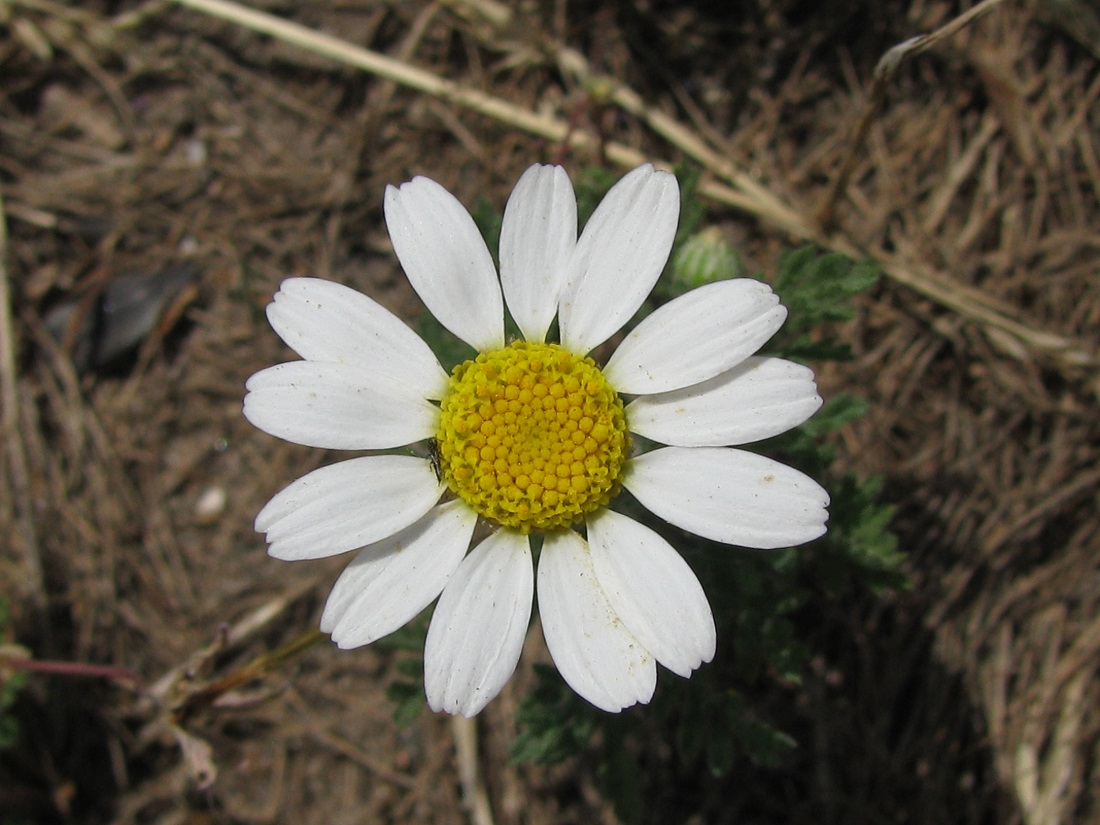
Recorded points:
(474,792)
(258,667)
(83,669)
(18,474)
(881,79)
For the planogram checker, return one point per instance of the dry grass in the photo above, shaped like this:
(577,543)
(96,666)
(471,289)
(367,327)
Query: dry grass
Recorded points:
(134,136)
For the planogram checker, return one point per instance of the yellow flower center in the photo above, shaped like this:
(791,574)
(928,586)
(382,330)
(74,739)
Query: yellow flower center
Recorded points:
(532,436)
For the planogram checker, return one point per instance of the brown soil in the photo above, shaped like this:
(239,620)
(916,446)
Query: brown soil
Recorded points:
(138,138)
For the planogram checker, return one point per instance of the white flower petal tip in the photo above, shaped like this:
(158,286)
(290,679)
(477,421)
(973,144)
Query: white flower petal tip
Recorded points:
(730,496)
(653,591)
(477,632)
(348,505)
(595,653)
(757,399)
(336,406)
(391,581)
(537,237)
(619,257)
(701,334)
(326,321)
(446,261)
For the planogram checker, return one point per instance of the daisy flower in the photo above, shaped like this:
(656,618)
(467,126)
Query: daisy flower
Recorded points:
(533,437)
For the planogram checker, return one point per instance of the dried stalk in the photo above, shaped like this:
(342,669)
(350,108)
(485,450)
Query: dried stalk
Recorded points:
(18,475)
(474,792)
(881,78)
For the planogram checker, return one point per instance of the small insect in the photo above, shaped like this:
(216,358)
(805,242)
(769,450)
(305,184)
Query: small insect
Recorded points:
(436,458)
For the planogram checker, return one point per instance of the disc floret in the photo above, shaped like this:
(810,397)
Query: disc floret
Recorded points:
(532,436)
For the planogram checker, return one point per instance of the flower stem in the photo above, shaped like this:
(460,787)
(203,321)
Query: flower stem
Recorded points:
(257,668)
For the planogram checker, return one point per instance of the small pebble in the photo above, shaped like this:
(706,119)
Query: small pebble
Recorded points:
(211,505)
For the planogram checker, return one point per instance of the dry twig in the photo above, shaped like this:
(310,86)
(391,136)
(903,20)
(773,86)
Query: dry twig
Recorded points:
(473,785)
(883,75)
(18,476)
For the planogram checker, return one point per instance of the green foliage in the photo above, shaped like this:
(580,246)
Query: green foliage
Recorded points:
(807,446)
(620,779)
(408,701)
(590,186)
(704,258)
(765,745)
(716,726)
(817,289)
(406,692)
(692,211)
(448,347)
(9,727)
(859,551)
(557,723)
(489,219)
(11,683)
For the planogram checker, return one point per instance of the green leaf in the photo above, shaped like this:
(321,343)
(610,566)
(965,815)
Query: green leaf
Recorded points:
(11,684)
(555,724)
(448,347)
(620,778)
(489,219)
(703,258)
(591,185)
(817,289)
(408,700)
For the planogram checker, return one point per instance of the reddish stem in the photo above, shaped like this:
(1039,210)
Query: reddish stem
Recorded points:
(72,669)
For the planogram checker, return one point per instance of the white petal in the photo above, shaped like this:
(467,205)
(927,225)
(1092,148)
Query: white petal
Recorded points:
(348,505)
(536,238)
(336,406)
(326,321)
(477,631)
(594,652)
(391,581)
(653,591)
(757,399)
(619,257)
(446,261)
(731,496)
(695,337)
